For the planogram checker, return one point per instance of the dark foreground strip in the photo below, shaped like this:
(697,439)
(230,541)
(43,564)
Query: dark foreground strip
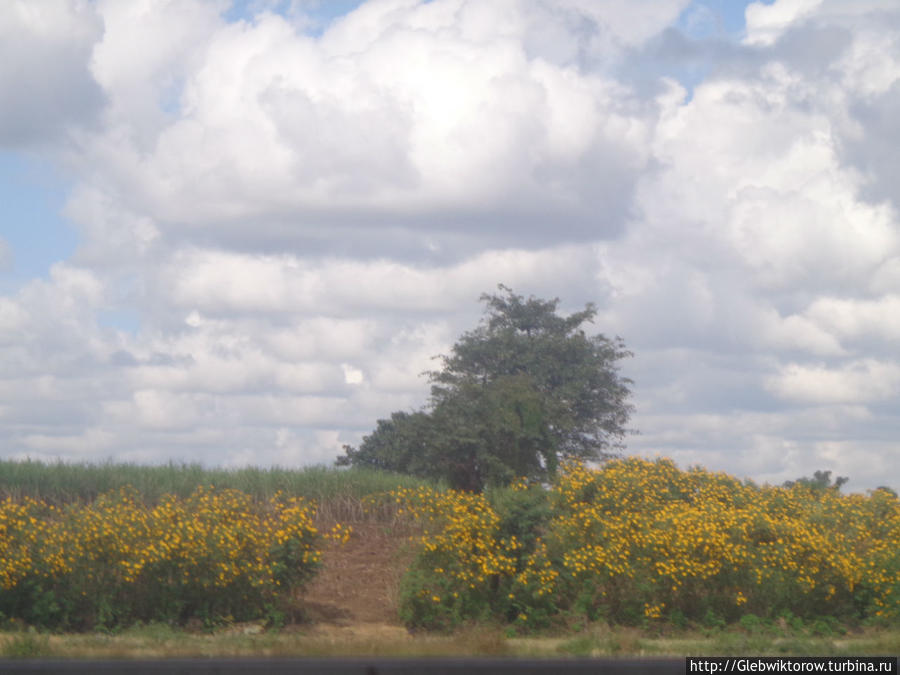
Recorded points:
(704,665)
(354,666)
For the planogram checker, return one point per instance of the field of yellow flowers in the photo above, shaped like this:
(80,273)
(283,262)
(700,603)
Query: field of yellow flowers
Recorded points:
(641,541)
(218,555)
(637,542)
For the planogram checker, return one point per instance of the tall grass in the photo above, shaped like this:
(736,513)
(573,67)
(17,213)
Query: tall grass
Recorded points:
(337,491)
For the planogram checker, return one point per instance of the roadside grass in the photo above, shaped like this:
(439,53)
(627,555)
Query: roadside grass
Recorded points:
(605,641)
(162,641)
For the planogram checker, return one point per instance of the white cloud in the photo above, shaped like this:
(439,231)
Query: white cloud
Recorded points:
(292,448)
(797,333)
(859,319)
(141,60)
(352,375)
(86,445)
(400,109)
(222,282)
(301,222)
(163,410)
(777,198)
(872,64)
(767,22)
(113,235)
(12,320)
(44,47)
(861,381)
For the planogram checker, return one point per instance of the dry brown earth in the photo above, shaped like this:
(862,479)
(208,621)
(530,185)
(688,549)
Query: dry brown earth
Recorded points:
(356,591)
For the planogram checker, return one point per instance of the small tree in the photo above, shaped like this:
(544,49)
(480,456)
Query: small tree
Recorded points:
(516,395)
(820,481)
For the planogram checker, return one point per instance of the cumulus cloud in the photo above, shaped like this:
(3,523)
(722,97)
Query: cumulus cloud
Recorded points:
(221,282)
(760,271)
(141,60)
(861,381)
(44,48)
(767,22)
(301,216)
(439,116)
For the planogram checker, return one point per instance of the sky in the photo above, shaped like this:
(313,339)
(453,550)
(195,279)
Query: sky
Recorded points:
(236,233)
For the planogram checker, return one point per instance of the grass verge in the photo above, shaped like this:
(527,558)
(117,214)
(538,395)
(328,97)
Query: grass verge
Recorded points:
(381,640)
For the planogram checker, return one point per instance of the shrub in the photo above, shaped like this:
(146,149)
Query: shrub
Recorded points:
(216,555)
(639,540)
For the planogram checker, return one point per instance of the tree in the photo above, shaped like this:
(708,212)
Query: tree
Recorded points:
(523,391)
(820,481)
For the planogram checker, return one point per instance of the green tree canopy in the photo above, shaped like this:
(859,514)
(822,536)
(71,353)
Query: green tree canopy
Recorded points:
(821,481)
(516,395)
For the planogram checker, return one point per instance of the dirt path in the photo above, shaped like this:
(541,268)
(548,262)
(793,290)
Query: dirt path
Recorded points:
(358,583)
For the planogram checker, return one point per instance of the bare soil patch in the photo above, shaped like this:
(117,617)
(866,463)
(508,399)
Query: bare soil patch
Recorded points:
(359,580)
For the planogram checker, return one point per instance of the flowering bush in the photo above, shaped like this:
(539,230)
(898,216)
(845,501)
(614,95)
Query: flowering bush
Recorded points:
(462,560)
(640,541)
(216,555)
